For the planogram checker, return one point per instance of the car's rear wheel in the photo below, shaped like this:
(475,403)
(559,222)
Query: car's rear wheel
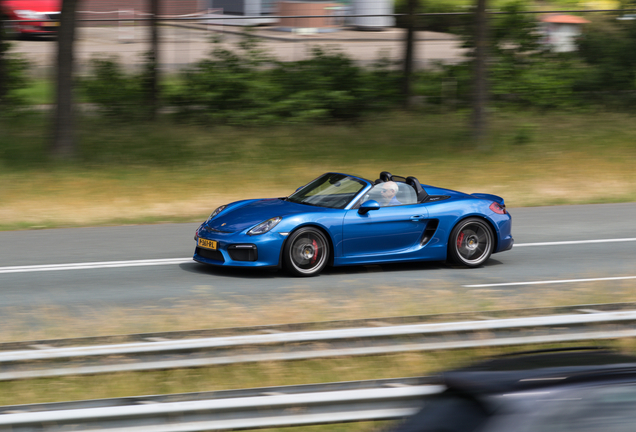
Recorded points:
(471,243)
(306,252)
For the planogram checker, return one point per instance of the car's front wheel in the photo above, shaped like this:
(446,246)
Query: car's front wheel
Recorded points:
(471,243)
(306,252)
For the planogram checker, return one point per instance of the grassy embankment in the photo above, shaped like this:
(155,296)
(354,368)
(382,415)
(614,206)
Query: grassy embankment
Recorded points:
(169,172)
(210,311)
(173,172)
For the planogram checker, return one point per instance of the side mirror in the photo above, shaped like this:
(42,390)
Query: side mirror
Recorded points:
(367,206)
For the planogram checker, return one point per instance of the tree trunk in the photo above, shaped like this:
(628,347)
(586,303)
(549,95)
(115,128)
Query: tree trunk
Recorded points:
(3,68)
(480,83)
(408,53)
(63,144)
(153,60)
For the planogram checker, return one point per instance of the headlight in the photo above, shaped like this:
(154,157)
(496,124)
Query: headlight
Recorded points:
(217,211)
(263,227)
(27,14)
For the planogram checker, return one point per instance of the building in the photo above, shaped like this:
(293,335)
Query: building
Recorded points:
(561,31)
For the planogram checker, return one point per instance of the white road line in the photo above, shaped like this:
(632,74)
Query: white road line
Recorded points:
(550,282)
(93,265)
(575,242)
(169,261)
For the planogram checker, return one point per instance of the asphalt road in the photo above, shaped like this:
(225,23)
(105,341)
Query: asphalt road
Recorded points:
(555,244)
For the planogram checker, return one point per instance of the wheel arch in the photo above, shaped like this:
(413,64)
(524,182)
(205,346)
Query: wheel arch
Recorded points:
(491,225)
(308,225)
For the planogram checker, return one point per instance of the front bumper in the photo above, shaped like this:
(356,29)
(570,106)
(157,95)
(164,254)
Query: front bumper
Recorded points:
(38,28)
(240,249)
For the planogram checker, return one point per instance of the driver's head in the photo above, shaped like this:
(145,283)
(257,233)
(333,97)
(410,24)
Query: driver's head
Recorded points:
(388,190)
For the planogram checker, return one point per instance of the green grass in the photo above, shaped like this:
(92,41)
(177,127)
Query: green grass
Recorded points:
(39,92)
(170,171)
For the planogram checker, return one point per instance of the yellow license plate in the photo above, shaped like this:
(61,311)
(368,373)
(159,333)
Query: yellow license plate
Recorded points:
(208,244)
(51,24)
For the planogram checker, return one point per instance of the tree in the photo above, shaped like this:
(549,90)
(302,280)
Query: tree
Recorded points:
(63,143)
(3,68)
(480,83)
(608,46)
(153,60)
(408,54)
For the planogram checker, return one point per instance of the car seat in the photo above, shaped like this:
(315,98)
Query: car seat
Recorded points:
(419,190)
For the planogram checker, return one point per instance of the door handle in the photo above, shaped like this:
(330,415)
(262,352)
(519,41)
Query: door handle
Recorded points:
(416,218)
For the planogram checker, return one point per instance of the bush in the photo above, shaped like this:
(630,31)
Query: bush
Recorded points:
(521,71)
(247,86)
(437,23)
(13,76)
(608,47)
(115,93)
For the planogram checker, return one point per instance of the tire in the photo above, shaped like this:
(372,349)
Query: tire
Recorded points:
(306,252)
(471,243)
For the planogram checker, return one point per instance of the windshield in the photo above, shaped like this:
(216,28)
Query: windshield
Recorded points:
(329,190)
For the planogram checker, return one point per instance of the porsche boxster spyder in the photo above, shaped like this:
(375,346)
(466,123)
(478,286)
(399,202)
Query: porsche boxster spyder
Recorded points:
(340,219)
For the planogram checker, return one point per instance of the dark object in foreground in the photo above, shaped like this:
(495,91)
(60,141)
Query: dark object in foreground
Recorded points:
(582,390)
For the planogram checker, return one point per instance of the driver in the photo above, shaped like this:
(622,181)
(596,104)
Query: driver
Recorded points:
(388,191)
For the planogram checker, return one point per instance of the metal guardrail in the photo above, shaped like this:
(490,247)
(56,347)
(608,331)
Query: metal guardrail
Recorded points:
(237,409)
(47,361)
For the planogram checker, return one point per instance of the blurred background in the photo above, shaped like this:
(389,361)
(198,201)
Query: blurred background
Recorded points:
(277,88)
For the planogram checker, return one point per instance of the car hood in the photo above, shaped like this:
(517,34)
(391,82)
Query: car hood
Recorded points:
(245,216)
(34,5)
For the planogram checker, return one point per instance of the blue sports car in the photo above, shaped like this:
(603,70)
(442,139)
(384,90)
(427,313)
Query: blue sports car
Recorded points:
(340,219)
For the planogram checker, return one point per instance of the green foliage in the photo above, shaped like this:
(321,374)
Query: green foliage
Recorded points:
(545,81)
(116,94)
(132,144)
(526,73)
(438,23)
(21,142)
(608,46)
(513,34)
(13,76)
(16,78)
(247,86)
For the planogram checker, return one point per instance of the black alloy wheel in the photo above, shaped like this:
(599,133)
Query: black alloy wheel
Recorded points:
(471,243)
(306,252)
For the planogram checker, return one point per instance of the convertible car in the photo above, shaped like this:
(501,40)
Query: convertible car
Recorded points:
(339,219)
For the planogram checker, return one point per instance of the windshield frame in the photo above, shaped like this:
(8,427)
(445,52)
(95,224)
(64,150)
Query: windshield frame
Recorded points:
(303,196)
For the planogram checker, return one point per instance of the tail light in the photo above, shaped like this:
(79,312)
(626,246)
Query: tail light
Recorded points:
(498,208)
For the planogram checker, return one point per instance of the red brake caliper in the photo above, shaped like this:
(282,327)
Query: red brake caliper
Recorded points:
(460,239)
(313,259)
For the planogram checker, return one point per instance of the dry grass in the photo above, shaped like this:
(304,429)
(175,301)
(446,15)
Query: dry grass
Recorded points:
(211,312)
(165,195)
(562,160)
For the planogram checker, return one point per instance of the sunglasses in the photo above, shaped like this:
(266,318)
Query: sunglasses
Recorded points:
(386,190)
